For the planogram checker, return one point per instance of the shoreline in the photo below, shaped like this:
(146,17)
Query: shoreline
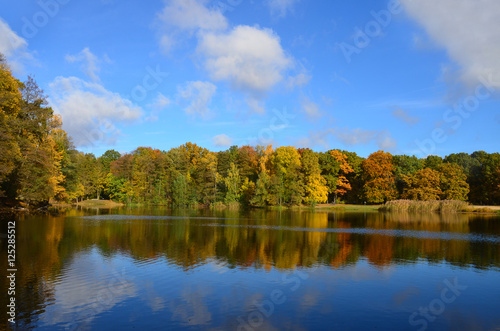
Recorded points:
(107,204)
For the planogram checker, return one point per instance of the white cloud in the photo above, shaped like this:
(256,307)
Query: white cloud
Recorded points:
(192,15)
(181,17)
(256,105)
(249,58)
(315,139)
(14,47)
(348,137)
(89,111)
(222,140)
(90,62)
(300,80)
(310,108)
(352,137)
(196,96)
(281,7)
(159,103)
(404,116)
(467,30)
(167,43)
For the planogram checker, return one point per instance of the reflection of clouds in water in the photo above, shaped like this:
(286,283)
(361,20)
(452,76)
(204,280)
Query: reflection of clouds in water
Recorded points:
(405,295)
(309,300)
(190,308)
(89,286)
(155,302)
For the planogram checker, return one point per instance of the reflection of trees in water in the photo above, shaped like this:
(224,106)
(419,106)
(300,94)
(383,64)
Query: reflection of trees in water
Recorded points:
(38,261)
(285,240)
(255,239)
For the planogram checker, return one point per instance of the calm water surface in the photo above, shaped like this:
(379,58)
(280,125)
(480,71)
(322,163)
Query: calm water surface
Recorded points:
(161,269)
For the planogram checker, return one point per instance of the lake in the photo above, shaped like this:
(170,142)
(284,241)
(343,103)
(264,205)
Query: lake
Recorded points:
(163,269)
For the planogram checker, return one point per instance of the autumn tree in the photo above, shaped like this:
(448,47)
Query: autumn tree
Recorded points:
(453,182)
(180,195)
(261,194)
(433,162)
(423,185)
(286,180)
(10,105)
(247,161)
(316,190)
(379,179)
(405,166)
(232,182)
(482,179)
(38,175)
(355,177)
(330,168)
(343,185)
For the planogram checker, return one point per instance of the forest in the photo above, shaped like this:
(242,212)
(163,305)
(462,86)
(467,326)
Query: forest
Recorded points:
(39,163)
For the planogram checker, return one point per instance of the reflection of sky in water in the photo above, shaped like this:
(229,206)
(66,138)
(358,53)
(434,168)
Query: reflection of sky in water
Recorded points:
(90,285)
(169,282)
(96,292)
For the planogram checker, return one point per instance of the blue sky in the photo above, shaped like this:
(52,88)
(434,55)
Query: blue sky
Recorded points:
(408,77)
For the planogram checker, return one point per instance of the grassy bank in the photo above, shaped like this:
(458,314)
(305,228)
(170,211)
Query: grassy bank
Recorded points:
(440,206)
(348,207)
(99,204)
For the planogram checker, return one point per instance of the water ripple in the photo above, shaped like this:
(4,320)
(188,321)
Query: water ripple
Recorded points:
(369,231)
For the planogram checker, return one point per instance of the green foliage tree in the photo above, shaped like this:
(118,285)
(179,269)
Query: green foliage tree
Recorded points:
(261,195)
(180,191)
(405,166)
(232,181)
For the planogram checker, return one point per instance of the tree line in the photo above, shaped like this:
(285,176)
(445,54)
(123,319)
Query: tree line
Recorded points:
(38,162)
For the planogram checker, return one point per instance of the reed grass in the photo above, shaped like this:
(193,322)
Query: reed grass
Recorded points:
(438,206)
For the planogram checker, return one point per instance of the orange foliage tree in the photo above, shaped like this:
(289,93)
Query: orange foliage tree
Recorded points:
(379,179)
(343,184)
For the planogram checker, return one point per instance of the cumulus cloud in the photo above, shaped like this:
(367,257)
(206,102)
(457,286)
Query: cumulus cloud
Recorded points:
(353,137)
(349,137)
(159,103)
(310,108)
(196,97)
(251,59)
(89,111)
(90,63)
(404,116)
(14,47)
(281,7)
(466,29)
(192,15)
(301,79)
(179,17)
(222,140)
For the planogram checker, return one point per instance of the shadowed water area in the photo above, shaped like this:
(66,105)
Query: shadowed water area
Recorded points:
(132,268)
